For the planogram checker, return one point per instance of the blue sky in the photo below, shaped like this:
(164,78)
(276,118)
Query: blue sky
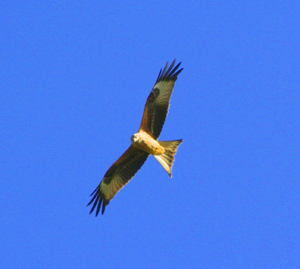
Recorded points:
(74,78)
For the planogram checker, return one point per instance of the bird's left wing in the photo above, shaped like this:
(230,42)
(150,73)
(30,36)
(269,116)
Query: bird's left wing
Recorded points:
(158,102)
(117,176)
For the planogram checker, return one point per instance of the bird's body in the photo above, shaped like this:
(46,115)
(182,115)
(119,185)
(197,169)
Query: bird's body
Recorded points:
(143,143)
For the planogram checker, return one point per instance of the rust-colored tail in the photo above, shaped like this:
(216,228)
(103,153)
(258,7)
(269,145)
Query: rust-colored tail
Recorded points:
(168,157)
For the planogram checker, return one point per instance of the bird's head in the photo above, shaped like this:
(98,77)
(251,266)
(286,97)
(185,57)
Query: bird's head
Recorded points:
(134,138)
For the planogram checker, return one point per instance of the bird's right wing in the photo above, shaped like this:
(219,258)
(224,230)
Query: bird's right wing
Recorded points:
(117,176)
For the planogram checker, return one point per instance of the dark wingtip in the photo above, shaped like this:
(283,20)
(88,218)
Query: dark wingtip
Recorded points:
(169,73)
(103,208)
(97,200)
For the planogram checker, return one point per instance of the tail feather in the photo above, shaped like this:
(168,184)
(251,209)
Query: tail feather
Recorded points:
(168,157)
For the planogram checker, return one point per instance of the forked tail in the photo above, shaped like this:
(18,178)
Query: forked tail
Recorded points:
(168,157)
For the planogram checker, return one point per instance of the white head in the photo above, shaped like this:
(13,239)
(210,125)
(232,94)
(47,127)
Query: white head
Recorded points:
(134,138)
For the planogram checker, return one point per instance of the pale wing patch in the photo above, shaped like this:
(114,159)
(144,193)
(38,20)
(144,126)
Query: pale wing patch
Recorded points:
(112,188)
(166,89)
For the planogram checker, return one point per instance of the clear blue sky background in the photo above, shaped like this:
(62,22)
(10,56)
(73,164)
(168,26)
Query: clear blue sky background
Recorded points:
(74,78)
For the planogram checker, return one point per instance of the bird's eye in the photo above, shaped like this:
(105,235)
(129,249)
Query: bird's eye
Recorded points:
(133,138)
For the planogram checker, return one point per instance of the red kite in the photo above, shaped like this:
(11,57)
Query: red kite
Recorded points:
(143,143)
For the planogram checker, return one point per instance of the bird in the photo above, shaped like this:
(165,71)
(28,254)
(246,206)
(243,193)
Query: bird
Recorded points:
(143,143)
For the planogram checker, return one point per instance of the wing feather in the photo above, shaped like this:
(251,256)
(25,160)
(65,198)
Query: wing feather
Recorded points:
(158,102)
(117,176)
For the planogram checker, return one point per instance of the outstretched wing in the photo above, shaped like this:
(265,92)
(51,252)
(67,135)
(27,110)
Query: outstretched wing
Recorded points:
(117,176)
(158,102)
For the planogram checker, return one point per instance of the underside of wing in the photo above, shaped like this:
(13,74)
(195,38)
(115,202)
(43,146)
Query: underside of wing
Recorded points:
(158,102)
(117,177)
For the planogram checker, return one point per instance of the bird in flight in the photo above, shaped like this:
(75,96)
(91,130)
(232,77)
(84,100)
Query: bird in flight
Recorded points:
(143,143)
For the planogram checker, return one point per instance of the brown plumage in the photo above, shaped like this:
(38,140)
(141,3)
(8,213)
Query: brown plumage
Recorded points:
(143,143)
